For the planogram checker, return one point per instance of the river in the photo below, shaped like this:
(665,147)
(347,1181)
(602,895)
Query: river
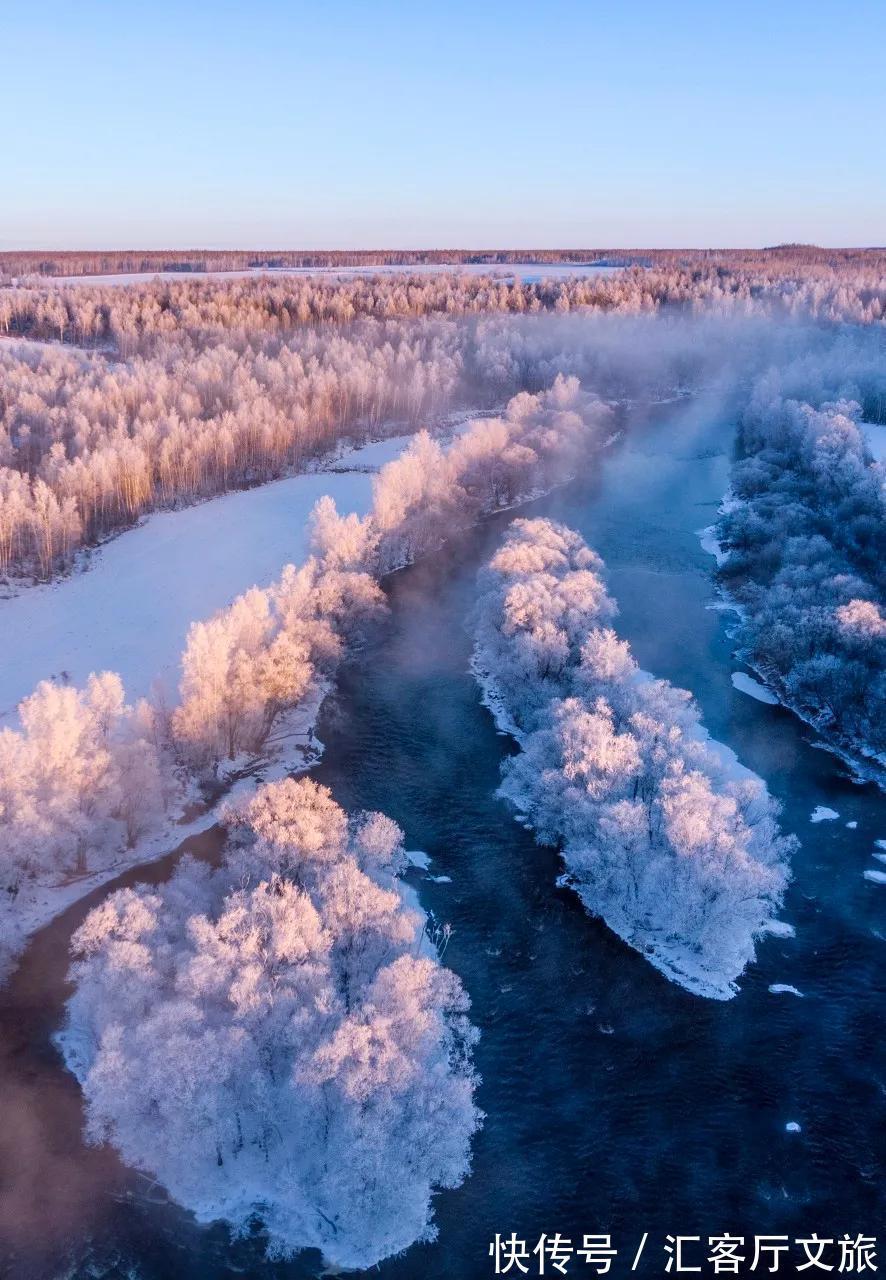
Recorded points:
(615,1102)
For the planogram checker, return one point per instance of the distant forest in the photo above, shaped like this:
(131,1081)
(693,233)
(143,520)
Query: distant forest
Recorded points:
(86,262)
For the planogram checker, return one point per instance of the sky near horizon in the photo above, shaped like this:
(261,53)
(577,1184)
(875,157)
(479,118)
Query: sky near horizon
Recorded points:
(345,125)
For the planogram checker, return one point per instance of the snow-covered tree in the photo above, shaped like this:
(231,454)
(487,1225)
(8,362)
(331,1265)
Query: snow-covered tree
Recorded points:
(672,843)
(243,669)
(805,535)
(276,1040)
(80,782)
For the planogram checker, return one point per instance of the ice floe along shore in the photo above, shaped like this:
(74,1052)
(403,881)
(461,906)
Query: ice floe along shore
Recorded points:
(665,836)
(747,684)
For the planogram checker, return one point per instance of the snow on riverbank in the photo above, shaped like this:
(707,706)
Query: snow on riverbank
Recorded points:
(131,610)
(863,763)
(38,903)
(709,544)
(707,537)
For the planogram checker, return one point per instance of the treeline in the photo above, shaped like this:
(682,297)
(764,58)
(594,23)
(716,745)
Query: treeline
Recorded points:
(87,262)
(672,844)
(276,1041)
(805,532)
(89,444)
(231,384)
(136,318)
(86,778)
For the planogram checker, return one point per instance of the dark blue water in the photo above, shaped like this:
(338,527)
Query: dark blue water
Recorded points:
(616,1102)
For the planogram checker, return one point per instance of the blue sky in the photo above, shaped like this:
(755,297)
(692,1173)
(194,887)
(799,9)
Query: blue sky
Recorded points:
(414,124)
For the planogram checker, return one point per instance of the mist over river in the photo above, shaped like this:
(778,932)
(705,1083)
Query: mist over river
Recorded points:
(615,1101)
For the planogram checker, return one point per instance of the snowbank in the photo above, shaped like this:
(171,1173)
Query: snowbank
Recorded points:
(130,612)
(709,543)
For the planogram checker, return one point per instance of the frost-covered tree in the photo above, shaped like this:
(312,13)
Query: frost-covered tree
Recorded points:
(243,669)
(86,778)
(805,536)
(542,593)
(428,493)
(276,1040)
(80,782)
(664,836)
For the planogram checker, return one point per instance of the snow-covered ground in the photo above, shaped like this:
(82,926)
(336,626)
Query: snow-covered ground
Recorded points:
(875,433)
(130,611)
(528,272)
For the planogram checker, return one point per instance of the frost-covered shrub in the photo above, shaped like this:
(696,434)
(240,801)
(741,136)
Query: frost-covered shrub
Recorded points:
(276,1040)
